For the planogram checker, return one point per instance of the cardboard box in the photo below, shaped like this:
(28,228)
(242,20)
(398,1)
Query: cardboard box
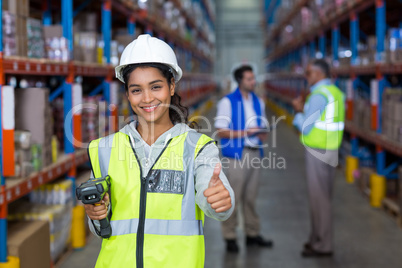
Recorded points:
(400,187)
(30,242)
(19,8)
(32,114)
(51,31)
(86,42)
(398,111)
(87,21)
(21,36)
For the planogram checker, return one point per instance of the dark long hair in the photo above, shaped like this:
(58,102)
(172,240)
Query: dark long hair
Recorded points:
(177,112)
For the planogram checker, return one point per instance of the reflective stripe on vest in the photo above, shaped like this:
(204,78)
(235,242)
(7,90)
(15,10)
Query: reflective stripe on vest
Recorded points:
(329,124)
(158,227)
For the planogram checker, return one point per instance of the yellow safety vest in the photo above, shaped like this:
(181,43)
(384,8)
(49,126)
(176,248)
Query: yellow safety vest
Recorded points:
(155,220)
(328,129)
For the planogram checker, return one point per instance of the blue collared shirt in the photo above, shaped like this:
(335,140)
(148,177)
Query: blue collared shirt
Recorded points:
(316,103)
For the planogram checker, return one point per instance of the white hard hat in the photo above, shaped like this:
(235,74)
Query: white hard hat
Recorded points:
(147,49)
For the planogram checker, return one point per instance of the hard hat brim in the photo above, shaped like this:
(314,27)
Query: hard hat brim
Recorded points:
(177,74)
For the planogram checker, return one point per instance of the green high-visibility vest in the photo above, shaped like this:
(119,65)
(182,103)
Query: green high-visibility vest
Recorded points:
(155,220)
(328,129)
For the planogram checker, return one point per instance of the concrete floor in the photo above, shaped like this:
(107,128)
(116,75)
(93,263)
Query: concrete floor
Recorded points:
(364,237)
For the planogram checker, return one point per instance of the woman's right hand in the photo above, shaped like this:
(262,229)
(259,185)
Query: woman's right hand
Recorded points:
(98,211)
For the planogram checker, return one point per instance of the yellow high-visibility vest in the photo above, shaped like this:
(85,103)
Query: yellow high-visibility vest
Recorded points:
(328,130)
(155,220)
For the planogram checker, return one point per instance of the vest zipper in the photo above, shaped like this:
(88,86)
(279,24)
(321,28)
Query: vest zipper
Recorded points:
(143,201)
(141,224)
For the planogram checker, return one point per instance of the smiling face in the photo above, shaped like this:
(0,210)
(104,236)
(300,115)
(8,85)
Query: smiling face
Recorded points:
(149,94)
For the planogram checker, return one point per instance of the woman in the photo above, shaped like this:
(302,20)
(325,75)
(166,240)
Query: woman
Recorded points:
(163,173)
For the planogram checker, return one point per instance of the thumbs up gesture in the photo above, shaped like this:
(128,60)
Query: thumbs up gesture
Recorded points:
(216,193)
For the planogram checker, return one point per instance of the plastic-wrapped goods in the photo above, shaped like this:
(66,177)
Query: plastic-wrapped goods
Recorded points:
(22,139)
(168,10)
(9,34)
(37,156)
(143,4)
(55,43)
(28,157)
(394,46)
(87,42)
(114,53)
(362,113)
(186,4)
(60,192)
(36,43)
(26,169)
(93,117)
(56,48)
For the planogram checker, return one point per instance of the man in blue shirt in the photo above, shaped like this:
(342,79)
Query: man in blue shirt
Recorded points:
(239,121)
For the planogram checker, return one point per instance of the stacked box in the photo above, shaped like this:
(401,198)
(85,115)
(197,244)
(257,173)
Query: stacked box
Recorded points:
(20,9)
(400,188)
(9,34)
(362,113)
(306,19)
(33,113)
(392,114)
(94,120)
(59,218)
(29,241)
(86,44)
(123,40)
(21,36)
(86,22)
(36,44)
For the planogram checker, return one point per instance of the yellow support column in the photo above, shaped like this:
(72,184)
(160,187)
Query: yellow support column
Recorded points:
(377,193)
(352,164)
(12,262)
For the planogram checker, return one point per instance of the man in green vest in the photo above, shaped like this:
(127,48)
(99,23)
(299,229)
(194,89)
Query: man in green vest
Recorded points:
(321,121)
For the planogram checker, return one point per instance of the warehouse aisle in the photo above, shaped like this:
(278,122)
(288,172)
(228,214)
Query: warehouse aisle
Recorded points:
(364,237)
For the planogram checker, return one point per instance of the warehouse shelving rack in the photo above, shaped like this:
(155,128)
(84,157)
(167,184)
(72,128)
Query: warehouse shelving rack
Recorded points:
(199,85)
(305,44)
